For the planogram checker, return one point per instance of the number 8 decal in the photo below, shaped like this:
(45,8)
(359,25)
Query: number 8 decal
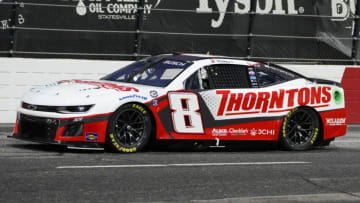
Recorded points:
(185,116)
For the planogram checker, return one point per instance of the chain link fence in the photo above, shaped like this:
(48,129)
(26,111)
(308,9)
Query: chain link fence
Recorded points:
(291,31)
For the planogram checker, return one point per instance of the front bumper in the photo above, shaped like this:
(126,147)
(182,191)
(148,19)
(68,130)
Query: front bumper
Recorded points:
(80,132)
(71,145)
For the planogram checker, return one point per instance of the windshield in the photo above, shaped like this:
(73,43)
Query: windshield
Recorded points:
(154,71)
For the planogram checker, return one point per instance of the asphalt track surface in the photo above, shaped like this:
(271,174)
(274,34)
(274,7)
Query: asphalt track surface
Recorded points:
(258,173)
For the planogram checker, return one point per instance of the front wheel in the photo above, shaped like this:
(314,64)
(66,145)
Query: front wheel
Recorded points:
(129,129)
(300,129)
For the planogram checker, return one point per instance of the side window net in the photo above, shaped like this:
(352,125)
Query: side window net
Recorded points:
(227,76)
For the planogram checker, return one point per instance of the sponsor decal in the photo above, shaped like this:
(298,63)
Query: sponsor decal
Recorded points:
(155,102)
(251,73)
(252,77)
(223,61)
(338,97)
(102,85)
(92,137)
(253,132)
(219,132)
(114,9)
(174,63)
(263,102)
(335,121)
(134,96)
(238,131)
(154,94)
(260,131)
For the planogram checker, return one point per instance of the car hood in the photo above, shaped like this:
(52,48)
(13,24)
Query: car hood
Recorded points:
(83,92)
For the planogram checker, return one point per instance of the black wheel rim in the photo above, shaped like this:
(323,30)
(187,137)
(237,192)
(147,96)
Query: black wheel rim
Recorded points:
(129,128)
(300,128)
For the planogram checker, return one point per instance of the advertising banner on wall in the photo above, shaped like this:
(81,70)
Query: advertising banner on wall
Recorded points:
(280,30)
(5,24)
(276,30)
(336,32)
(82,28)
(197,26)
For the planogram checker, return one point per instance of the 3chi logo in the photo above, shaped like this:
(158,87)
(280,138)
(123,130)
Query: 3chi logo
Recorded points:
(114,9)
(253,132)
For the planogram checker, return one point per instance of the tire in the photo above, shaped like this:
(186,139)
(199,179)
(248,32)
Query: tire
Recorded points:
(300,129)
(129,129)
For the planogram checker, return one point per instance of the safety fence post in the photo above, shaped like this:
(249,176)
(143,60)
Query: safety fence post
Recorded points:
(252,14)
(138,23)
(12,30)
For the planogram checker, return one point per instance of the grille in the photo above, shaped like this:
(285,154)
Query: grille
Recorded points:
(38,128)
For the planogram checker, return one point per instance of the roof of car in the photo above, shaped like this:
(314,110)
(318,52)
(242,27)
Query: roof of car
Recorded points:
(196,57)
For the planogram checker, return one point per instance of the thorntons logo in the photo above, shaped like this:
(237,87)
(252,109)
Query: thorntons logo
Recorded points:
(340,9)
(114,9)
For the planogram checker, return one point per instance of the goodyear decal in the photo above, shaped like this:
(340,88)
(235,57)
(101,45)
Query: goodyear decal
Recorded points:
(91,137)
(134,96)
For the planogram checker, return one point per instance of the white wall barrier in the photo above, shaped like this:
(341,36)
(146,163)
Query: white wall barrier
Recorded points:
(19,74)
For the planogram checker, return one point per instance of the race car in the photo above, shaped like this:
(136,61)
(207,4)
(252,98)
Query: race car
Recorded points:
(185,97)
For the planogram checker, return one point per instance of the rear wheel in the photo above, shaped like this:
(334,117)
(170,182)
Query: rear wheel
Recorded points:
(129,129)
(300,129)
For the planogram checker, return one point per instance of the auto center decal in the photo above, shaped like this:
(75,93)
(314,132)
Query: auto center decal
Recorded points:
(102,85)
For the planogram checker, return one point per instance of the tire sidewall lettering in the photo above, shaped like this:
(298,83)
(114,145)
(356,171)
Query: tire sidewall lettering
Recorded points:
(310,141)
(112,140)
(285,121)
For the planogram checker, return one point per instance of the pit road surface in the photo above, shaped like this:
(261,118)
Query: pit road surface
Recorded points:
(41,173)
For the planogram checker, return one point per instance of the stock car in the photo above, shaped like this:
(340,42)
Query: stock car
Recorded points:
(185,97)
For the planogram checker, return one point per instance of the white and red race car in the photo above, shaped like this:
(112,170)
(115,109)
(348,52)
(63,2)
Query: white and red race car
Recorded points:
(185,97)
